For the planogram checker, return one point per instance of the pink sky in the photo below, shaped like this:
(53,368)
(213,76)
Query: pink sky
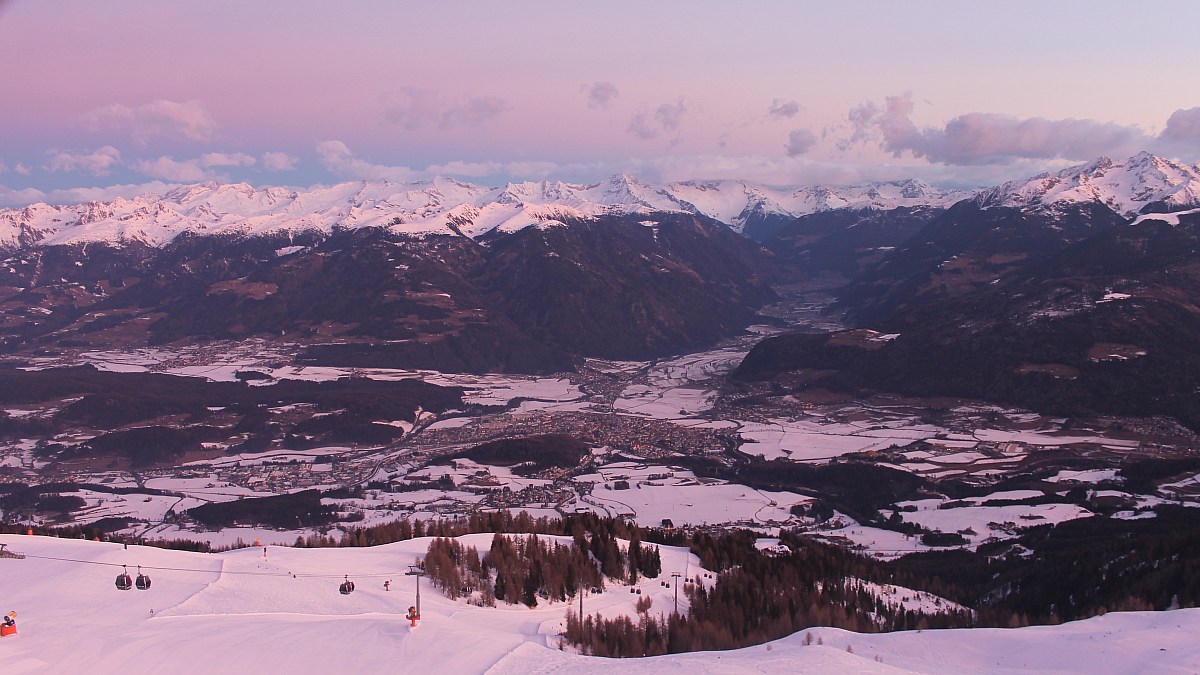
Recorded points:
(299,92)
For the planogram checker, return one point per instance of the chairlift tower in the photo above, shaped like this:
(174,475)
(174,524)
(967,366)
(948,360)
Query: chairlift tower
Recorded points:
(675,576)
(416,571)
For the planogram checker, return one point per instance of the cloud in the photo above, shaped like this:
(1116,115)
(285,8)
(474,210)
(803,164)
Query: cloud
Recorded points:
(800,141)
(158,119)
(336,157)
(988,138)
(475,111)
(667,117)
(642,126)
(14,197)
(1183,126)
(203,167)
(670,115)
(97,163)
(278,161)
(783,109)
(482,169)
(411,108)
(78,195)
(600,94)
(186,171)
(414,108)
(17,168)
(212,159)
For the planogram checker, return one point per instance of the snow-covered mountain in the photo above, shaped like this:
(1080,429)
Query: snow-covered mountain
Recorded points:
(1126,187)
(439,206)
(446,206)
(734,202)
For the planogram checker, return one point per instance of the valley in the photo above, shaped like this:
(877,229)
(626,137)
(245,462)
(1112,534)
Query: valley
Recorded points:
(599,337)
(986,404)
(668,441)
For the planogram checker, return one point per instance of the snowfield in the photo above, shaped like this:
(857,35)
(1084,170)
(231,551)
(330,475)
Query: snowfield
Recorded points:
(243,612)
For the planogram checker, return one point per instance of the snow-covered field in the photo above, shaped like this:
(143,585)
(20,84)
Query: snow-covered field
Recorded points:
(244,612)
(657,493)
(815,440)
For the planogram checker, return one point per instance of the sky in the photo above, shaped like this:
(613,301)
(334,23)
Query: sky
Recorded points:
(108,99)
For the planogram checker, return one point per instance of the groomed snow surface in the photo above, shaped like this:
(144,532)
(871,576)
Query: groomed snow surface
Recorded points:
(241,612)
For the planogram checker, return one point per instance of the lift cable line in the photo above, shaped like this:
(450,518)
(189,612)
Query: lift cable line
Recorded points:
(298,575)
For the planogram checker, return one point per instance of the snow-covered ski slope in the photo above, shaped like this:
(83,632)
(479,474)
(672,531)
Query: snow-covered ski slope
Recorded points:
(241,612)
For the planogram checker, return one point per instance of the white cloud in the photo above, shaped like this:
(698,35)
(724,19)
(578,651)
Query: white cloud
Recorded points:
(10,197)
(278,161)
(784,109)
(800,141)
(13,197)
(108,192)
(167,168)
(517,170)
(988,138)
(212,159)
(158,119)
(336,157)
(97,163)
(600,94)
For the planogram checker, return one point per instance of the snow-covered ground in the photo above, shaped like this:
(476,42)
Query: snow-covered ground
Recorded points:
(247,612)
(651,494)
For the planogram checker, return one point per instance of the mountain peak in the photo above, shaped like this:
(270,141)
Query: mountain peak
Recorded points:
(1127,187)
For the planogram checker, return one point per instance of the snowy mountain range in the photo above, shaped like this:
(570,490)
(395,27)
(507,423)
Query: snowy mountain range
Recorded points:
(446,206)
(439,206)
(1126,187)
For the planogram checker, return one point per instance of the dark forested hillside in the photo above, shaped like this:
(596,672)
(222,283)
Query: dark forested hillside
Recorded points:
(524,301)
(1107,324)
(845,242)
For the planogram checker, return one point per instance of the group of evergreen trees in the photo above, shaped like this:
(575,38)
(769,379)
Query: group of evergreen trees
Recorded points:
(760,597)
(501,522)
(524,569)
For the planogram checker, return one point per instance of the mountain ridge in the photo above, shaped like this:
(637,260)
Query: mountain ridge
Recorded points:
(436,206)
(443,205)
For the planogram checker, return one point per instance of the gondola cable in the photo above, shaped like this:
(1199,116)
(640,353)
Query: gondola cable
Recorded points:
(125,573)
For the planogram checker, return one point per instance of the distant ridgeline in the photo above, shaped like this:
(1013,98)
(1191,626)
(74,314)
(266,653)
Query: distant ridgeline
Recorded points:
(1048,574)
